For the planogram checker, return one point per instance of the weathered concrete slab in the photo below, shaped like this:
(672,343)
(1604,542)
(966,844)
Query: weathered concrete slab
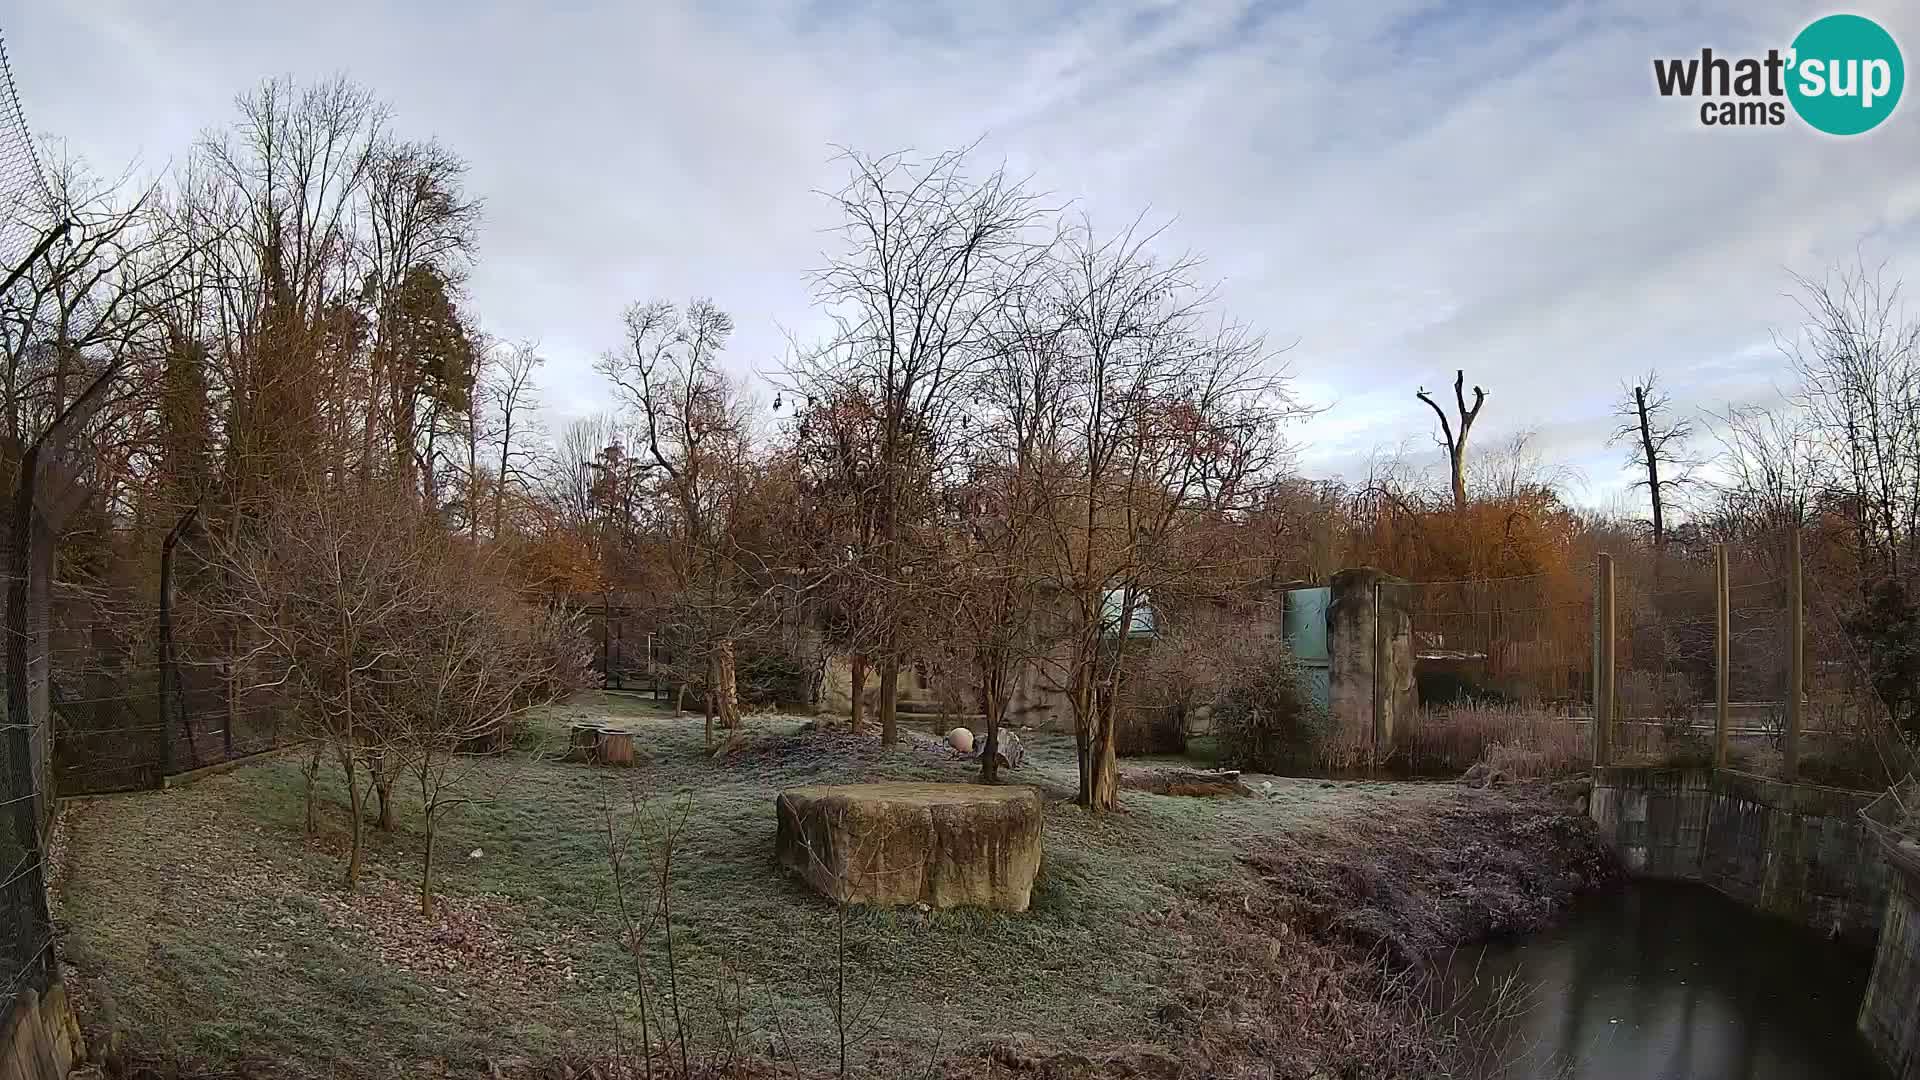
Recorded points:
(944,845)
(1794,850)
(1890,1012)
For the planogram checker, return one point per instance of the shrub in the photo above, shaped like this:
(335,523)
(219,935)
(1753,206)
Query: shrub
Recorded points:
(768,679)
(1265,722)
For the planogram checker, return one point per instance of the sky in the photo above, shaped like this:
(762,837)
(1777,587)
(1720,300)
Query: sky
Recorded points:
(1395,189)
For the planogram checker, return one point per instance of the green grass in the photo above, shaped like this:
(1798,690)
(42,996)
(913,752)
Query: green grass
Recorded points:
(202,925)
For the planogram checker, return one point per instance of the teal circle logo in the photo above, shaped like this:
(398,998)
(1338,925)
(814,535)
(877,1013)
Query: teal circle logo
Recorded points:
(1845,74)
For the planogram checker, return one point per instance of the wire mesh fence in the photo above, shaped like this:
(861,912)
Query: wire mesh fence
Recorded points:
(1502,668)
(1505,669)
(117,725)
(26,931)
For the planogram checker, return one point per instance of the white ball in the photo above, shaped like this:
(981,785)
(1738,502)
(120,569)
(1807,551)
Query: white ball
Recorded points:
(961,739)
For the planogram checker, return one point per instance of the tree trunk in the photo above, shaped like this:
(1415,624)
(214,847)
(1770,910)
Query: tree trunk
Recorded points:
(992,706)
(1083,732)
(857,678)
(356,803)
(889,700)
(1652,455)
(707,699)
(1103,781)
(383,790)
(725,689)
(426,867)
(312,771)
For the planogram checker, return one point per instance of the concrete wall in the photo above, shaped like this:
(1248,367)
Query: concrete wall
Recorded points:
(39,1039)
(1357,611)
(1793,850)
(1890,1013)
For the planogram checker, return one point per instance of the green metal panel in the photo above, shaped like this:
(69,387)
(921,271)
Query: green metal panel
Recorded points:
(1114,601)
(1304,622)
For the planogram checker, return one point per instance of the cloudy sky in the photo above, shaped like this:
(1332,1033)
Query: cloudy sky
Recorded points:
(1400,187)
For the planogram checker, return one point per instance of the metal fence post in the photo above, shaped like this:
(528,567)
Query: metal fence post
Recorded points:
(1796,661)
(1722,630)
(1603,663)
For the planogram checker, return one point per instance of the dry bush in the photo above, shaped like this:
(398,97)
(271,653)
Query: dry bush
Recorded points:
(1450,741)
(1266,722)
(1322,960)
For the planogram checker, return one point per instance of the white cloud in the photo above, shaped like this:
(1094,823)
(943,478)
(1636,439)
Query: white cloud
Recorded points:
(1404,187)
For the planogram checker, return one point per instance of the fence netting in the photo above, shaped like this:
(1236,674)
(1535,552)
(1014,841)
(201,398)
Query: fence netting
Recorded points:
(26,936)
(1505,669)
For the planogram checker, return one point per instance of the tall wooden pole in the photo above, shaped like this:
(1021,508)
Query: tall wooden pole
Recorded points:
(1797,660)
(1722,632)
(1603,658)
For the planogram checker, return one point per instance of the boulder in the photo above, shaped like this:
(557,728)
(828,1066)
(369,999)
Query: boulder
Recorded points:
(894,845)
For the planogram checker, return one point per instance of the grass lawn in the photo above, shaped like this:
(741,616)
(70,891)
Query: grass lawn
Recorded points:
(204,932)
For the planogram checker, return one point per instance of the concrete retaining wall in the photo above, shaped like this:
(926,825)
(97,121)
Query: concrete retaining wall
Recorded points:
(39,1040)
(1793,850)
(1890,1013)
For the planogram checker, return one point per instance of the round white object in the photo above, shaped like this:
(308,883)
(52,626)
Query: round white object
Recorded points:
(961,739)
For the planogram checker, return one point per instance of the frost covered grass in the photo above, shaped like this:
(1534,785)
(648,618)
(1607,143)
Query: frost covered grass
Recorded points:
(206,933)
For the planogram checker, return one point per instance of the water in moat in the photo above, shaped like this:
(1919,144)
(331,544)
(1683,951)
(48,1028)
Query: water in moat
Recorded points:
(1675,981)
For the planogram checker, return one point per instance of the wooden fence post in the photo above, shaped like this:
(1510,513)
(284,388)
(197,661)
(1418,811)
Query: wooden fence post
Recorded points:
(1796,662)
(1603,658)
(1722,630)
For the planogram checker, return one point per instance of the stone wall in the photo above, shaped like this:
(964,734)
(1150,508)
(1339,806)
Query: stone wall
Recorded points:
(1890,1013)
(39,1039)
(1793,850)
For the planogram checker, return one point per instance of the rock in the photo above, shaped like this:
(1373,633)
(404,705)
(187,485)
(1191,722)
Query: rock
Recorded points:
(900,844)
(961,739)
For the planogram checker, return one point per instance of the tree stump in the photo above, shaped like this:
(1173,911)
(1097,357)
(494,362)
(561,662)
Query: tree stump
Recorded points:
(583,742)
(889,845)
(616,747)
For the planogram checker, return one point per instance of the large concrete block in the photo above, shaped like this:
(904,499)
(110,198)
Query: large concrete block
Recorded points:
(944,845)
(1370,684)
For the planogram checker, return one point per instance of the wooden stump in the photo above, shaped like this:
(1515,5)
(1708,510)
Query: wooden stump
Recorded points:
(616,747)
(583,742)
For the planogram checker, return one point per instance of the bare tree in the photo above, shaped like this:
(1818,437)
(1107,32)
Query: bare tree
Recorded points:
(1165,422)
(929,256)
(1858,358)
(332,593)
(1658,448)
(514,403)
(478,658)
(694,440)
(1455,443)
